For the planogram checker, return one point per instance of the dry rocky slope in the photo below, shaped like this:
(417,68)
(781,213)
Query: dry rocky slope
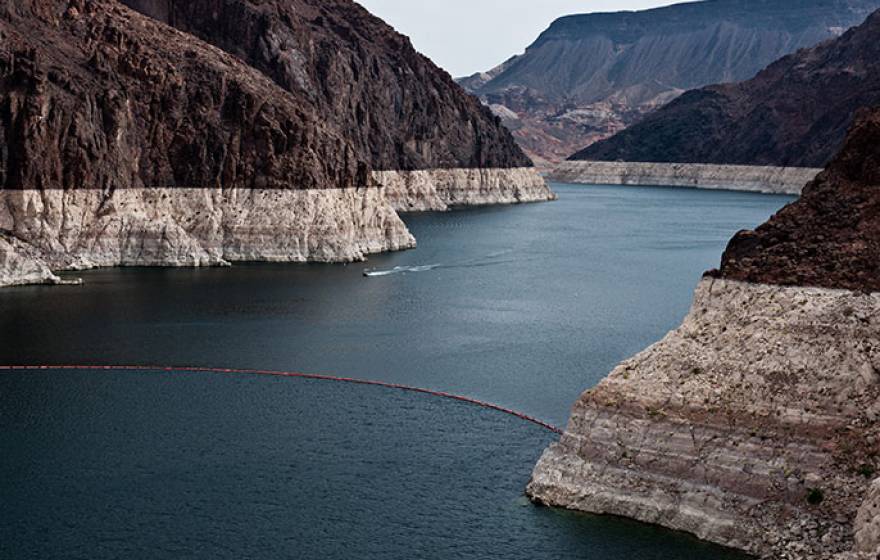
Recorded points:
(756,424)
(794,113)
(126,142)
(589,76)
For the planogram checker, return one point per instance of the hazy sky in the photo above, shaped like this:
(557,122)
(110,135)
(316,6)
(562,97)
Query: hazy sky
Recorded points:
(467,36)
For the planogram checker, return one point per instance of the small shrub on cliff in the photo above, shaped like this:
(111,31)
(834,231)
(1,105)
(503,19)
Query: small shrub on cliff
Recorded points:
(867,471)
(815,497)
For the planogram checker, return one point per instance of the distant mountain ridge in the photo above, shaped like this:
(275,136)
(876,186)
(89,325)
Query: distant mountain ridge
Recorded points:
(796,112)
(589,76)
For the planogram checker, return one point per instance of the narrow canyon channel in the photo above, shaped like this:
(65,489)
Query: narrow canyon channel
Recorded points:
(523,306)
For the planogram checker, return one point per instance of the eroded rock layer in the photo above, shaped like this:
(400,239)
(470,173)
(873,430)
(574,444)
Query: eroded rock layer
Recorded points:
(79,229)
(868,524)
(754,425)
(444,189)
(777,180)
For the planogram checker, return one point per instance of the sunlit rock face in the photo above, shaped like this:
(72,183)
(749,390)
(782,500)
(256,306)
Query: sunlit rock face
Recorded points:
(756,423)
(724,428)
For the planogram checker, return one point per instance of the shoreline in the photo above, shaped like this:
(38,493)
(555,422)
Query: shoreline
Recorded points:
(44,232)
(746,178)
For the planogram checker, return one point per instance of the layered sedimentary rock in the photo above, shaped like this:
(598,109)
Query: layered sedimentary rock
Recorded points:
(85,228)
(21,264)
(796,112)
(756,424)
(124,141)
(589,76)
(725,427)
(764,179)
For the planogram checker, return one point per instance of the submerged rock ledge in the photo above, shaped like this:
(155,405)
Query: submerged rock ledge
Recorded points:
(752,178)
(753,425)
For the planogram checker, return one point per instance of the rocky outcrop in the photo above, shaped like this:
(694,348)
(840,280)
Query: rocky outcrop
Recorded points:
(756,424)
(776,180)
(589,76)
(796,112)
(84,228)
(124,141)
(752,425)
(21,264)
(831,236)
(444,189)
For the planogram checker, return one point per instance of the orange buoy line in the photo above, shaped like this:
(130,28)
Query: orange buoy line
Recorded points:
(298,375)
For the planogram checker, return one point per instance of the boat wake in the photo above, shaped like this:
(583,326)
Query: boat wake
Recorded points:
(488,260)
(400,270)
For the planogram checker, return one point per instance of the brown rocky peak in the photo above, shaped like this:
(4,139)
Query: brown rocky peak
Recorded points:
(830,237)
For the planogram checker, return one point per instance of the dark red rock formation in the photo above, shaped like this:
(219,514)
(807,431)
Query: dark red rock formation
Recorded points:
(94,95)
(398,109)
(794,113)
(830,237)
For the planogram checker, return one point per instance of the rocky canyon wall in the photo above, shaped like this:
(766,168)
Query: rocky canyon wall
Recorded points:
(764,179)
(445,189)
(756,424)
(124,141)
(84,228)
(794,113)
(753,425)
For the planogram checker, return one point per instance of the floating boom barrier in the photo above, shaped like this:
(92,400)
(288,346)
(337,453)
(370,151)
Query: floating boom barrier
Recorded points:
(296,375)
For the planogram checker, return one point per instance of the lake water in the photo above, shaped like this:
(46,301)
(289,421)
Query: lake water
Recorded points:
(522,306)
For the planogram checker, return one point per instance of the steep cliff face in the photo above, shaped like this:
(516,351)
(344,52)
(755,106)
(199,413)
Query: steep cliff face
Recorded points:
(95,96)
(400,112)
(756,424)
(794,113)
(589,76)
(187,154)
(127,144)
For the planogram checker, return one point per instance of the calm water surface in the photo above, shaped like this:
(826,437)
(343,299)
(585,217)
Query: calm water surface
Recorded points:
(524,306)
